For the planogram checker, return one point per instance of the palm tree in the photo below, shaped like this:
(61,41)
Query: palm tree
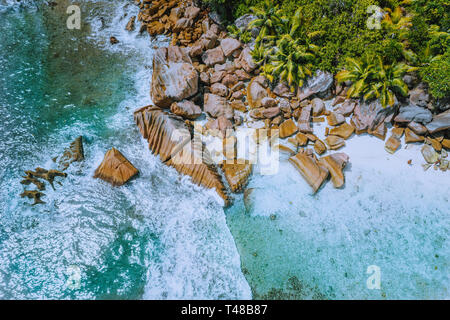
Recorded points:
(269,18)
(372,79)
(291,61)
(388,83)
(360,72)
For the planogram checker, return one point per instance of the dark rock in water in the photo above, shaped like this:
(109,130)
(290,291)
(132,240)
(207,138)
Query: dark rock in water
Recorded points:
(115,168)
(32,180)
(36,195)
(113,40)
(74,153)
(48,175)
(130,25)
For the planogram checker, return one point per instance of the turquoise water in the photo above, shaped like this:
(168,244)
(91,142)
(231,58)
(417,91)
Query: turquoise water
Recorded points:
(160,236)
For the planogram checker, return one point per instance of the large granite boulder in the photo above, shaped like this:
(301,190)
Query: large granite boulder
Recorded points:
(320,82)
(115,168)
(440,122)
(255,93)
(169,137)
(194,160)
(335,163)
(186,109)
(172,81)
(413,113)
(217,106)
(165,133)
(310,170)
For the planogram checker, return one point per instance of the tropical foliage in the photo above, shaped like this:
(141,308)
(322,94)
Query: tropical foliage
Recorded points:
(372,79)
(299,36)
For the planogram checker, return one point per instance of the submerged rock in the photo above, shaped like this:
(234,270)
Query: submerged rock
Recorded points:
(36,195)
(115,168)
(48,175)
(131,24)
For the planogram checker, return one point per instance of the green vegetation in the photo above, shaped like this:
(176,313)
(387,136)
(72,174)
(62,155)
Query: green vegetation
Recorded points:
(372,79)
(299,36)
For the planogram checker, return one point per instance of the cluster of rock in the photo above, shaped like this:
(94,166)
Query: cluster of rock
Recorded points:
(417,124)
(74,153)
(210,75)
(204,74)
(33,177)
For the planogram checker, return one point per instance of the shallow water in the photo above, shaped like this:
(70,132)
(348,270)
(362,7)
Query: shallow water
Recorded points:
(296,245)
(160,236)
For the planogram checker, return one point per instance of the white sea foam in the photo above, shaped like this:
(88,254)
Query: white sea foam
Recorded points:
(195,256)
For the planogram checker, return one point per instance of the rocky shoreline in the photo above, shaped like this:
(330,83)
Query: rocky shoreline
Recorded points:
(207,82)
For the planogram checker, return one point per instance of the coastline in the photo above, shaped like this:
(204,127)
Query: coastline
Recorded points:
(164,236)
